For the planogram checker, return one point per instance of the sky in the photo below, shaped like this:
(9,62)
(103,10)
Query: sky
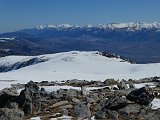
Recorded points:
(19,14)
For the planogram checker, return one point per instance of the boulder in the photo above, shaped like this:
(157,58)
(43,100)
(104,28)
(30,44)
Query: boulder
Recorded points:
(7,95)
(82,111)
(141,96)
(116,102)
(30,98)
(112,115)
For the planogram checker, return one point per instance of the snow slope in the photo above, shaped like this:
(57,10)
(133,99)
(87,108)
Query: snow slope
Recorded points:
(76,65)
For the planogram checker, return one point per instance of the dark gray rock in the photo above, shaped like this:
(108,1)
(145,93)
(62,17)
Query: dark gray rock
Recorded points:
(140,96)
(7,95)
(112,115)
(82,111)
(30,97)
(115,102)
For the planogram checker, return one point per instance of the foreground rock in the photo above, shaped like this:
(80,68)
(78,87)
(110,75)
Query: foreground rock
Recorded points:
(141,96)
(103,102)
(82,111)
(7,95)
(29,98)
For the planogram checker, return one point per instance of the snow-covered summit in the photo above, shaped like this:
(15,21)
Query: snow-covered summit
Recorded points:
(132,25)
(77,65)
(128,26)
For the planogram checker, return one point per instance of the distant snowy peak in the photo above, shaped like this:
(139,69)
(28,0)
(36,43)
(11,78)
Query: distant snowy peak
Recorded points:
(140,25)
(61,26)
(128,26)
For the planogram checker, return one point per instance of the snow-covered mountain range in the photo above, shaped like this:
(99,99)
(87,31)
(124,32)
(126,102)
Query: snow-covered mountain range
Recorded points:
(129,26)
(74,65)
(136,41)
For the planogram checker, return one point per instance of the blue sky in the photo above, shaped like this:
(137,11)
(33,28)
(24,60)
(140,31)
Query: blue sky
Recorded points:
(18,14)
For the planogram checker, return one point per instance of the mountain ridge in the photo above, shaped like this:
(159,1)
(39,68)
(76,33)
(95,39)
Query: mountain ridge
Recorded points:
(133,25)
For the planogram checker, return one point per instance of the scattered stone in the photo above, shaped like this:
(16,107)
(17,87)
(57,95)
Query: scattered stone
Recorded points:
(101,103)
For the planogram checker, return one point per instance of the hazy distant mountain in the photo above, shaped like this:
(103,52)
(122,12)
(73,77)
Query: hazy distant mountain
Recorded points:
(137,41)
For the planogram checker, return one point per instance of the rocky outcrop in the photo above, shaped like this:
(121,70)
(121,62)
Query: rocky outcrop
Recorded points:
(29,98)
